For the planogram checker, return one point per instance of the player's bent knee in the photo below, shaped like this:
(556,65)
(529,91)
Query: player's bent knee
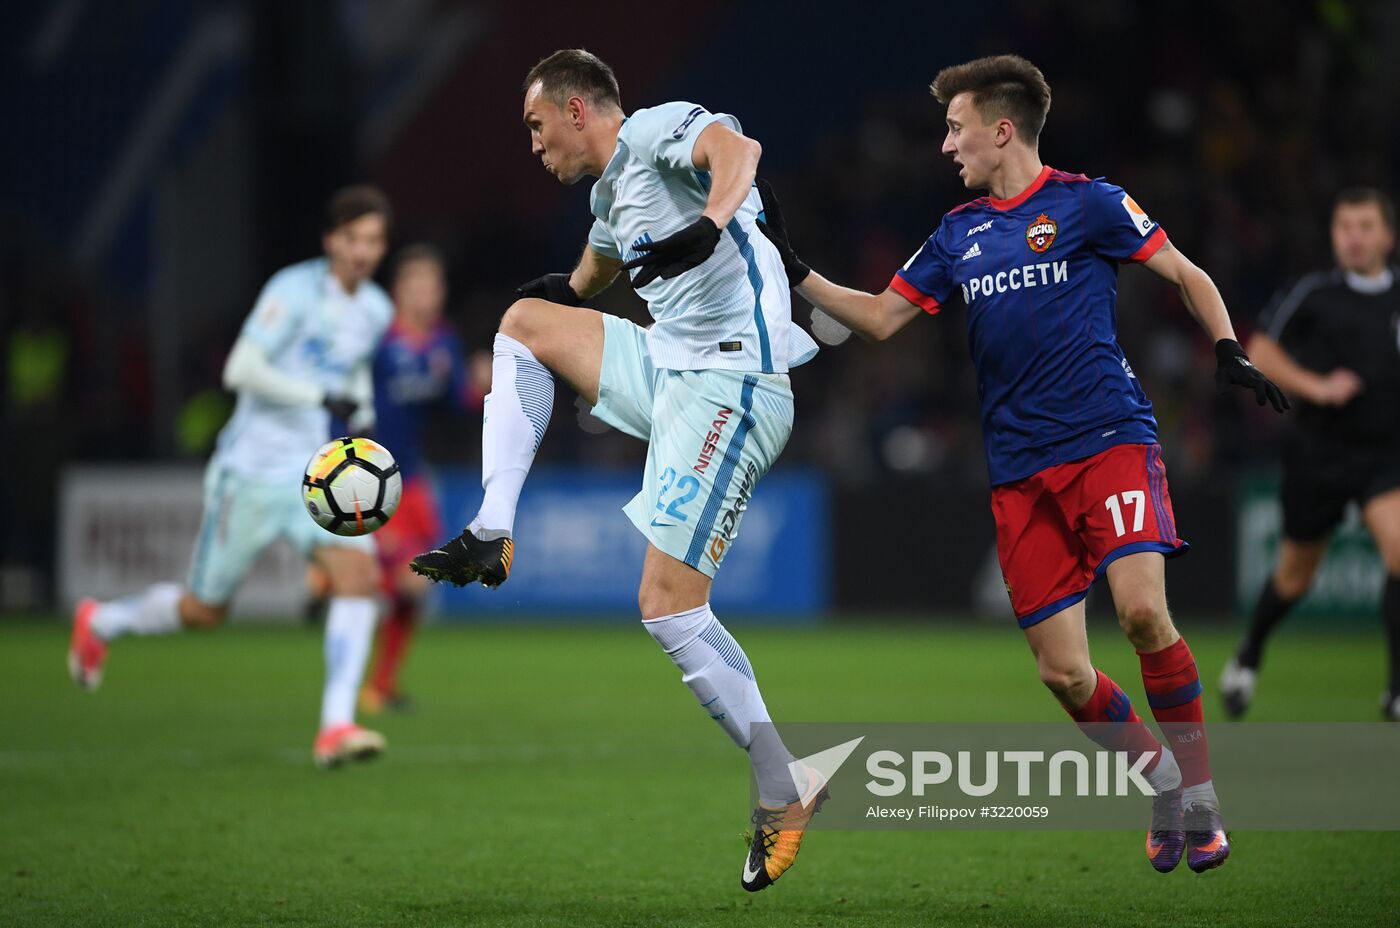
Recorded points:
(655,603)
(1293,584)
(1065,681)
(1142,616)
(352,572)
(195,613)
(520,321)
(657,599)
(362,582)
(1296,568)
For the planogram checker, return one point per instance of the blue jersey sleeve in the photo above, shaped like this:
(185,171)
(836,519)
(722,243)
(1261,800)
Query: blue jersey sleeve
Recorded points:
(926,279)
(280,305)
(664,136)
(1118,228)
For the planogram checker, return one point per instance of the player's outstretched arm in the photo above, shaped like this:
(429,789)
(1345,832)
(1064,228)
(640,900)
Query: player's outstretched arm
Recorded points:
(1202,298)
(1197,291)
(1336,388)
(872,317)
(595,272)
(248,368)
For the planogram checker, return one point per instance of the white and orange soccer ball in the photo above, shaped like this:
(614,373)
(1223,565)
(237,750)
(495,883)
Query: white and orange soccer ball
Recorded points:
(351,486)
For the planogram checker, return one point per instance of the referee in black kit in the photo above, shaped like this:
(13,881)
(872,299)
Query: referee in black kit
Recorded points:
(1333,343)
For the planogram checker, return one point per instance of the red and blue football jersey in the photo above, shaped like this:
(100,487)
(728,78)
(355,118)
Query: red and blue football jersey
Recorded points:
(412,374)
(1038,274)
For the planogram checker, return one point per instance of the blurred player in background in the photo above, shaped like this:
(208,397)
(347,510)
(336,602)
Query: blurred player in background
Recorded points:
(1333,340)
(1078,486)
(419,368)
(303,356)
(706,386)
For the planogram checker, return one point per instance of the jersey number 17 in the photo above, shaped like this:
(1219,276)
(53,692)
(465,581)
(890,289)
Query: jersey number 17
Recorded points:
(1135,498)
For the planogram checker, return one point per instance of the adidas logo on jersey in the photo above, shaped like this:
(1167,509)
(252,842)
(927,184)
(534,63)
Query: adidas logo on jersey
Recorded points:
(972,252)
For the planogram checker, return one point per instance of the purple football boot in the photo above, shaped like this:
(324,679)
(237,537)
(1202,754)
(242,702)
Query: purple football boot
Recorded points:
(1207,845)
(1167,837)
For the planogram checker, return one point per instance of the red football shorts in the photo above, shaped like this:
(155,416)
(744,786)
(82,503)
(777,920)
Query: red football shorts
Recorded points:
(415,528)
(1059,529)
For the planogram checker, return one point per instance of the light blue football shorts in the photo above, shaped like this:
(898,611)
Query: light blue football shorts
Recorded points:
(711,435)
(242,516)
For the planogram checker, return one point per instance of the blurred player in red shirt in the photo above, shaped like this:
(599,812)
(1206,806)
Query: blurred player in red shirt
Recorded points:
(418,369)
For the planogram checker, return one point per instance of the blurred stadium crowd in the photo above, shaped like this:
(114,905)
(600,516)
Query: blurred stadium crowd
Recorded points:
(177,153)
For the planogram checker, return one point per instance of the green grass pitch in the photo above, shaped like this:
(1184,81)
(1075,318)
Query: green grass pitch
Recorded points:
(564,776)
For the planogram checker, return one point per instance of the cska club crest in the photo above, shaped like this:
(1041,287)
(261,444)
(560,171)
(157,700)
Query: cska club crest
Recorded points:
(1040,234)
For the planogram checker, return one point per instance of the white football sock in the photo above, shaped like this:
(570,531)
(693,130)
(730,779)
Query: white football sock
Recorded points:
(349,631)
(1166,775)
(1202,793)
(154,612)
(718,673)
(512,427)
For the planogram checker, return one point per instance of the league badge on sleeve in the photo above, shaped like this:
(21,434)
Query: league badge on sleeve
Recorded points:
(693,115)
(1136,215)
(269,312)
(1040,234)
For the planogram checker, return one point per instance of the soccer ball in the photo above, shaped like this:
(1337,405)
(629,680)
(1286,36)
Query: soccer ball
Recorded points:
(351,486)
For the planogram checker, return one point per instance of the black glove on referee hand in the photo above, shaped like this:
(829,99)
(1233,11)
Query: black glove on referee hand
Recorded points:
(676,253)
(552,287)
(1233,367)
(772,224)
(341,407)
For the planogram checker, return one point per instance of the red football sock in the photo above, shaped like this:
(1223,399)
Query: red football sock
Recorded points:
(394,636)
(1174,693)
(1110,722)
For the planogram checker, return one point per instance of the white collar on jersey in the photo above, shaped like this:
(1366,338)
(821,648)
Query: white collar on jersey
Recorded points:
(1378,283)
(332,285)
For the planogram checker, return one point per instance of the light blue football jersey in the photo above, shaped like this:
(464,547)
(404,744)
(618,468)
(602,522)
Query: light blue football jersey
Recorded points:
(313,330)
(733,312)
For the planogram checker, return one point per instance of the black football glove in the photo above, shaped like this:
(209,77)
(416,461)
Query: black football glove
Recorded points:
(772,224)
(676,253)
(1233,368)
(552,287)
(341,407)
